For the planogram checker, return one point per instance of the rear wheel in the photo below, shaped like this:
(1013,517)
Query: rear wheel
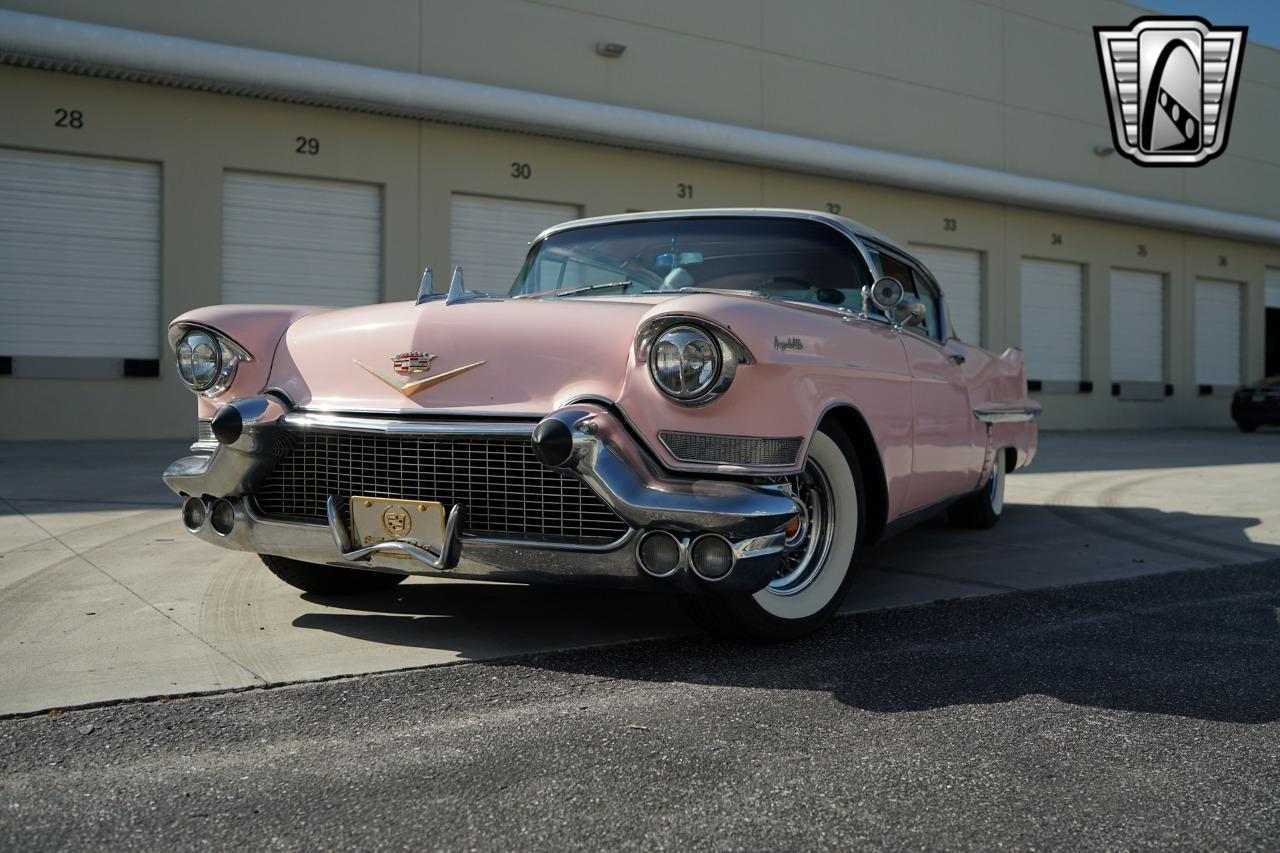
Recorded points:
(983,509)
(812,581)
(328,580)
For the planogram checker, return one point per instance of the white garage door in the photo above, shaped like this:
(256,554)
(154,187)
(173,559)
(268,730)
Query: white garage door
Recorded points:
(79,257)
(1137,326)
(1218,321)
(300,241)
(959,271)
(1052,319)
(489,237)
(1273,288)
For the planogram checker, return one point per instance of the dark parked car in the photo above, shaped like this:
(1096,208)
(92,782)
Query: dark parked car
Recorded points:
(1257,404)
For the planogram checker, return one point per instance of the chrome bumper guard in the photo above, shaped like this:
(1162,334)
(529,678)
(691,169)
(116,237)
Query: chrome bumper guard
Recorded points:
(585,441)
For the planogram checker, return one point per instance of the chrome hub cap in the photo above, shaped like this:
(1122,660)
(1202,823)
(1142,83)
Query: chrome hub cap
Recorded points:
(808,551)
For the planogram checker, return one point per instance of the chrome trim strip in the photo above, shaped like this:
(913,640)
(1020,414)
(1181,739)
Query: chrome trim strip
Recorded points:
(316,420)
(1005,415)
(416,414)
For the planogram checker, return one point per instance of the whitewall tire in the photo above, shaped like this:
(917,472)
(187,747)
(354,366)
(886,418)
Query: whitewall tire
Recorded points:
(812,583)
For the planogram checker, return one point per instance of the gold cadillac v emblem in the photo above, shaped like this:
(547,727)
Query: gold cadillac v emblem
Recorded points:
(414,363)
(397,521)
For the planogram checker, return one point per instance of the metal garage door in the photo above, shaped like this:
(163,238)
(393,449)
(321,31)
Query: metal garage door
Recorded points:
(1052,319)
(1137,326)
(79,257)
(1273,288)
(1218,321)
(300,241)
(489,237)
(959,271)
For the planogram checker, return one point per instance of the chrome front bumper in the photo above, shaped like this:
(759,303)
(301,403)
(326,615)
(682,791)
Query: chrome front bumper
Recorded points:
(585,441)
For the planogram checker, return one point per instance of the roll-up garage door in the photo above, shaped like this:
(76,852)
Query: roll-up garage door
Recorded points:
(489,237)
(300,241)
(1218,321)
(1052,320)
(79,257)
(959,271)
(1137,326)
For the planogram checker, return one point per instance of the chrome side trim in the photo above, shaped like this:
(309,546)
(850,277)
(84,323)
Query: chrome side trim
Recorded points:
(317,420)
(1005,413)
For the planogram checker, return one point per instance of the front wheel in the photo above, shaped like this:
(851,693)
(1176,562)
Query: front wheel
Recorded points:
(1247,426)
(814,577)
(328,580)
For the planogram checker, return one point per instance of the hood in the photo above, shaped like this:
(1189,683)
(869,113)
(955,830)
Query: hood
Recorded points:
(530,355)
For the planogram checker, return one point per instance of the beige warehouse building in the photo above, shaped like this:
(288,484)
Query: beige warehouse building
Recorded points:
(158,156)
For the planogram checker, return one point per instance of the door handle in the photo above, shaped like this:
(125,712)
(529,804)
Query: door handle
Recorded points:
(958,358)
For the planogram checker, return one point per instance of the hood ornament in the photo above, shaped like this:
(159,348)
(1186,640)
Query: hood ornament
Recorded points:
(416,362)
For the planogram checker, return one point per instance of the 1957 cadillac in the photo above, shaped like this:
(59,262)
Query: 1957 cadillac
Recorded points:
(729,404)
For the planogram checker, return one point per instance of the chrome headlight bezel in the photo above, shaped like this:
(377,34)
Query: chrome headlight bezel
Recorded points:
(731,353)
(228,354)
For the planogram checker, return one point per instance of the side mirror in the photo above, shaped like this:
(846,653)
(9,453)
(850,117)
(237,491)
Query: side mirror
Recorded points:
(885,294)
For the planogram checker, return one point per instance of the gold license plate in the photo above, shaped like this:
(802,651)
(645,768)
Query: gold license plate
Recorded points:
(375,520)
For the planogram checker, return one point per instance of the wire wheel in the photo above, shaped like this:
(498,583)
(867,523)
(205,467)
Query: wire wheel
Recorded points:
(806,558)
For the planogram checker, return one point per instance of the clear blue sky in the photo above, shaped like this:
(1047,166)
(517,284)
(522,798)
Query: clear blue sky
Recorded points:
(1262,17)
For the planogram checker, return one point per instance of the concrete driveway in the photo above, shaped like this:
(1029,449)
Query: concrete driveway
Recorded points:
(103,595)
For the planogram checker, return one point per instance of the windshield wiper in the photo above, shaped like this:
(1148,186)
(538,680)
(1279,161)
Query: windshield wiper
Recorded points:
(571,290)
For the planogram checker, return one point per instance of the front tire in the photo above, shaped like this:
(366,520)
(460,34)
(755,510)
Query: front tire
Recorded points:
(328,580)
(1247,426)
(813,582)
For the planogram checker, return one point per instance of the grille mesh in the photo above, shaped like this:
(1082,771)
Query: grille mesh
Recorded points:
(204,431)
(503,488)
(731,449)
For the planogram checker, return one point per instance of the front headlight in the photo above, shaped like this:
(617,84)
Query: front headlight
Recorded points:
(206,360)
(685,362)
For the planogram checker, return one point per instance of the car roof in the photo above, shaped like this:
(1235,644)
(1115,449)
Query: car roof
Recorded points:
(849,227)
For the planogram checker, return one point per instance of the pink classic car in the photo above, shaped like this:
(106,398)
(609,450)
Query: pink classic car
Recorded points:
(729,404)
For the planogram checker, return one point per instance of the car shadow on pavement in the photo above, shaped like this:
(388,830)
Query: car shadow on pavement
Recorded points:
(1202,643)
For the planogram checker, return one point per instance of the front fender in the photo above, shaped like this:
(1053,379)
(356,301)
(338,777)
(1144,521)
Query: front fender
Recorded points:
(257,329)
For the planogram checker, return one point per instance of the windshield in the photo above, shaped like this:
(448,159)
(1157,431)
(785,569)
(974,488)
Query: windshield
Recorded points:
(787,258)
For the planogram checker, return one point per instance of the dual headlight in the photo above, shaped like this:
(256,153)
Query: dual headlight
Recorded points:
(206,360)
(690,363)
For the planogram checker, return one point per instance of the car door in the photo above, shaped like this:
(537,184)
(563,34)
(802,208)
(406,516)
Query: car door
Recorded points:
(945,455)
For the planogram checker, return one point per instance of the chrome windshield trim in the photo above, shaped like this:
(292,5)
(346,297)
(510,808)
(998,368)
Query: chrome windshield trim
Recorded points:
(348,423)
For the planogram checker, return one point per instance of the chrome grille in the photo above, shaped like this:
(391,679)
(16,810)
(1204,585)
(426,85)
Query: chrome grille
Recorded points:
(731,449)
(204,432)
(505,491)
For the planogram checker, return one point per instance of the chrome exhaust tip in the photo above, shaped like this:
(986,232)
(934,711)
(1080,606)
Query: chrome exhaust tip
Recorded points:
(194,514)
(659,554)
(711,557)
(222,516)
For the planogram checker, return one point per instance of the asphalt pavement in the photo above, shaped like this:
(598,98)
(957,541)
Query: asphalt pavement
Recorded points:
(1128,714)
